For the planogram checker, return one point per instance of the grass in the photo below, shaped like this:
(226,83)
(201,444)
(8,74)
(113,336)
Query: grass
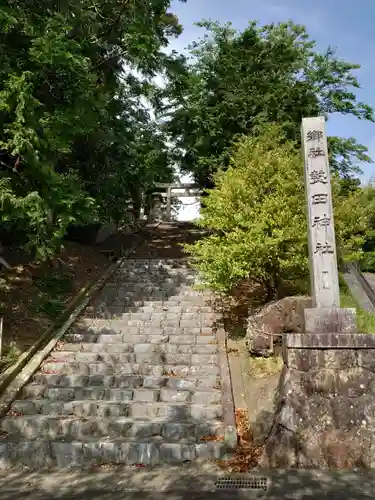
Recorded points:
(52,292)
(263,367)
(365,320)
(9,356)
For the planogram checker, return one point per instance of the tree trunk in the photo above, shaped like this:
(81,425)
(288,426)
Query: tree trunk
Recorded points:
(137,202)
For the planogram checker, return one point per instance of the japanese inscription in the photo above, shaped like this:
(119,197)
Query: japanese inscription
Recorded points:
(319,199)
(321,232)
(314,135)
(318,176)
(323,248)
(314,152)
(321,221)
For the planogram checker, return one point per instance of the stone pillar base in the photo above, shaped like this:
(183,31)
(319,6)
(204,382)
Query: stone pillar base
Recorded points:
(330,320)
(326,403)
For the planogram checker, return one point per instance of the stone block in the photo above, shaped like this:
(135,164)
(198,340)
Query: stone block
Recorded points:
(366,359)
(144,430)
(176,431)
(142,453)
(173,396)
(145,395)
(210,451)
(66,455)
(177,453)
(314,359)
(206,340)
(179,339)
(206,412)
(200,359)
(205,397)
(330,320)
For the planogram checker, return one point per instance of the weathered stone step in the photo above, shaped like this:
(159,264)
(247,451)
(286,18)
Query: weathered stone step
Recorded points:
(144,329)
(133,409)
(76,368)
(134,320)
(164,317)
(156,307)
(116,338)
(39,453)
(152,357)
(126,381)
(33,391)
(71,428)
(137,348)
(139,338)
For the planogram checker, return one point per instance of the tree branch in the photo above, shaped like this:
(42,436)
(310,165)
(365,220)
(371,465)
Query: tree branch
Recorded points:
(108,31)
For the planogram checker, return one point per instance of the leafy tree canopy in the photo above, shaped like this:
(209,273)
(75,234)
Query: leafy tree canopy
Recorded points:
(236,81)
(76,141)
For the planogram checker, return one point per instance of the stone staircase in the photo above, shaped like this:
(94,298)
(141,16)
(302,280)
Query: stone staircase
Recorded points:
(137,381)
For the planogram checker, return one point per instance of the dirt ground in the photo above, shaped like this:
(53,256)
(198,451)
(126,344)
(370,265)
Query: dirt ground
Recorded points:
(32,294)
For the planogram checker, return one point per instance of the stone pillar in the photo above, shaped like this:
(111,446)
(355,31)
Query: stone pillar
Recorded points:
(169,204)
(325,408)
(326,315)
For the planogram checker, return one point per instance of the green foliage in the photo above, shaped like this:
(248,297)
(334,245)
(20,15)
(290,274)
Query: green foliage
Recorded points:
(367,259)
(237,81)
(76,141)
(257,217)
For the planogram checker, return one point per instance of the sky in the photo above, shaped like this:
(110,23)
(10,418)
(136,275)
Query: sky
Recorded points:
(346,25)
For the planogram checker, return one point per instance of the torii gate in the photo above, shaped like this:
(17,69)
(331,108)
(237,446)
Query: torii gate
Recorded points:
(188,191)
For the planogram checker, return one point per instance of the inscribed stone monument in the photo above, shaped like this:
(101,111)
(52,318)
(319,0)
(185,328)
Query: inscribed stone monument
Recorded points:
(325,315)
(321,232)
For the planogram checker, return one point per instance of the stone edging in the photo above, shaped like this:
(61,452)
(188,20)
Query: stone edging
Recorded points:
(359,287)
(230,428)
(16,376)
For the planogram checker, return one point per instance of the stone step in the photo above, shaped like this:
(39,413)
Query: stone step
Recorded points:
(143,329)
(156,307)
(70,429)
(47,454)
(33,391)
(173,315)
(127,338)
(99,368)
(138,319)
(126,381)
(133,409)
(152,357)
(137,348)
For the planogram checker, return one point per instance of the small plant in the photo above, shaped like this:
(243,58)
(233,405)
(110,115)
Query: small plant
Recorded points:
(52,290)
(10,356)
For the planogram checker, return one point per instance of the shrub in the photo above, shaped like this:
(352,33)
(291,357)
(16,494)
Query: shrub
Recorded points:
(257,218)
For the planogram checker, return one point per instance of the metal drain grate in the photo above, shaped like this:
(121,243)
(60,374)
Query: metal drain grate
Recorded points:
(242,483)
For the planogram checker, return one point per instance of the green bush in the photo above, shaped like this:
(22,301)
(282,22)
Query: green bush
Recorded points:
(257,218)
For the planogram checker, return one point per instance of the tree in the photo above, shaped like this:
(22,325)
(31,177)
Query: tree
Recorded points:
(236,82)
(72,123)
(257,217)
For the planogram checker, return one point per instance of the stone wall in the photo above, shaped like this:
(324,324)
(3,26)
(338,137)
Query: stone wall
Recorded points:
(325,410)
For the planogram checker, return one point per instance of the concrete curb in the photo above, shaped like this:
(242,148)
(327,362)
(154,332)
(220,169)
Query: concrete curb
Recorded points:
(230,432)
(16,376)
(359,287)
